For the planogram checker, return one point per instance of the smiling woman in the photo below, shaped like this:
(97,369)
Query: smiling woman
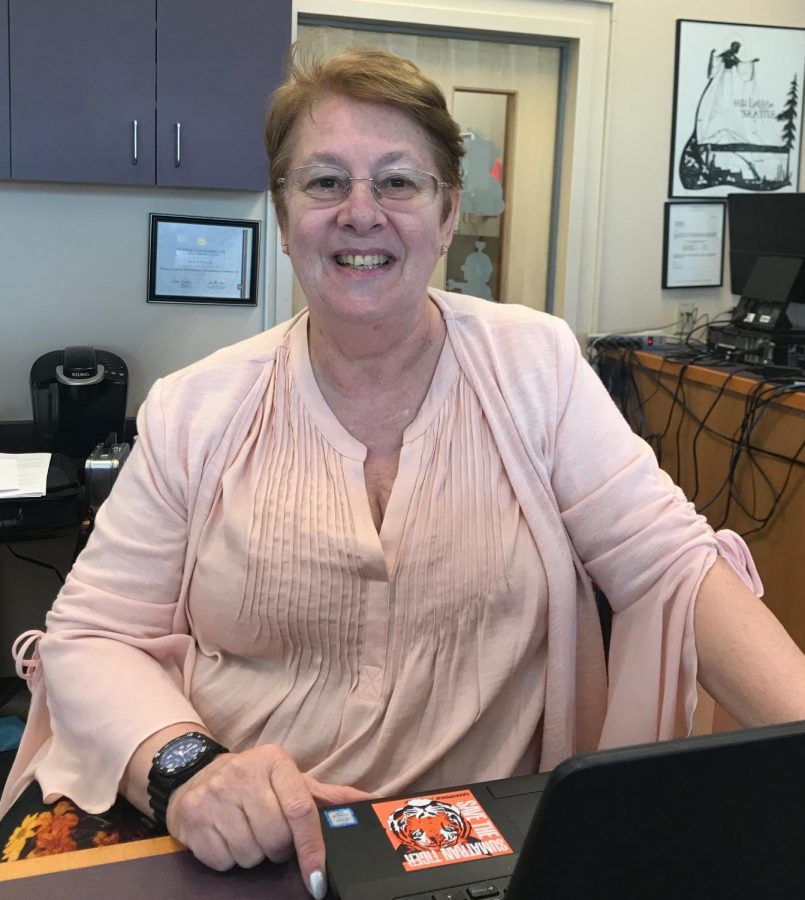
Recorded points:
(366,217)
(511,123)
(354,555)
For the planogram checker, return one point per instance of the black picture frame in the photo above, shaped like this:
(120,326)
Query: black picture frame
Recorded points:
(737,109)
(693,244)
(203,260)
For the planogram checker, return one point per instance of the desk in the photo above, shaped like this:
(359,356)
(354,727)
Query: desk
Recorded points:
(672,397)
(154,869)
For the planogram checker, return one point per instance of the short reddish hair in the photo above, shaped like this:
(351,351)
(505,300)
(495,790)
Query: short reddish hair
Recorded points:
(368,75)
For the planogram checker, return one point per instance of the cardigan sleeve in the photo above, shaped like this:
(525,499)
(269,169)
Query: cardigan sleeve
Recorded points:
(643,544)
(116,659)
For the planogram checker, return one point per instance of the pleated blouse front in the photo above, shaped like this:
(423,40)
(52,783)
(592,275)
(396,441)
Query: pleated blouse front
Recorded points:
(406,658)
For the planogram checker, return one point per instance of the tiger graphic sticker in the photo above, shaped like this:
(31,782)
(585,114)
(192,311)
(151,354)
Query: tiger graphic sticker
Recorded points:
(440,829)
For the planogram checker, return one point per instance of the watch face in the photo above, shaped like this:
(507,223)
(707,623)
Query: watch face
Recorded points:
(182,752)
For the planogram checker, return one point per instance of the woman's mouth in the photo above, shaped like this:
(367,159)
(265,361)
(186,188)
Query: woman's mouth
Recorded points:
(363,262)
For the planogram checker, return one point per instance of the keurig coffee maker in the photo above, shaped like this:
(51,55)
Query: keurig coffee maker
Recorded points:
(79,397)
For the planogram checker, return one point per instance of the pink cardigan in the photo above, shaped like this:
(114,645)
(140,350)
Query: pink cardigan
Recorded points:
(594,498)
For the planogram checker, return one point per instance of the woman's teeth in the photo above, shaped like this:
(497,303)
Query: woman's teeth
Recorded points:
(359,261)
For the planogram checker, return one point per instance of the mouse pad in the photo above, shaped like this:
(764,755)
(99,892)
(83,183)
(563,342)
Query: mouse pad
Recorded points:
(176,875)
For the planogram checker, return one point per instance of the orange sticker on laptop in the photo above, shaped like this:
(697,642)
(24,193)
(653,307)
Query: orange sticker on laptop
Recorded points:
(440,829)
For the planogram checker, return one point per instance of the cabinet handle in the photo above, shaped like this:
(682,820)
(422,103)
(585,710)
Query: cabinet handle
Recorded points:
(178,161)
(134,147)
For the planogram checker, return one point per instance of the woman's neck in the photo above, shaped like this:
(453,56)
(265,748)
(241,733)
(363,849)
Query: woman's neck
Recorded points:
(348,359)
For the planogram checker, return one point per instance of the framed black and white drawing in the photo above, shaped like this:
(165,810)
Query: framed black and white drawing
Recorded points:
(737,116)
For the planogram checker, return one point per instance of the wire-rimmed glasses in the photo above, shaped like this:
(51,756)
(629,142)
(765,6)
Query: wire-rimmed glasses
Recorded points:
(391,188)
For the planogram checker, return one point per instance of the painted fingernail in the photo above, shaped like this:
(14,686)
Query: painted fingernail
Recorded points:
(318,884)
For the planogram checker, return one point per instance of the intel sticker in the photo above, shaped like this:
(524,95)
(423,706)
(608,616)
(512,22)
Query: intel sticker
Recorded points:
(340,818)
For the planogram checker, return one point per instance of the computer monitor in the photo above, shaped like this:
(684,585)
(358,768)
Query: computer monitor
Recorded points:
(763,225)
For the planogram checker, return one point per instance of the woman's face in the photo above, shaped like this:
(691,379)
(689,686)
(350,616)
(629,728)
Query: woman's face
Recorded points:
(362,139)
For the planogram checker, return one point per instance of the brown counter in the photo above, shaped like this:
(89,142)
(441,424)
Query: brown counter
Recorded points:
(674,400)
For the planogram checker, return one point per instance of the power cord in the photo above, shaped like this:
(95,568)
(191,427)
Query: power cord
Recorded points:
(36,562)
(756,403)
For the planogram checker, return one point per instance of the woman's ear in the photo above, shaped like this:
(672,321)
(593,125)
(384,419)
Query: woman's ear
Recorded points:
(450,220)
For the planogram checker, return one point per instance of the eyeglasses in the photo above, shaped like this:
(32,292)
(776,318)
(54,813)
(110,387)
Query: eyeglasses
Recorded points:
(392,188)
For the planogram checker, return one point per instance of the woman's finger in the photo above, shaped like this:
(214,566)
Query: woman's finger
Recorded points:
(209,847)
(268,825)
(300,812)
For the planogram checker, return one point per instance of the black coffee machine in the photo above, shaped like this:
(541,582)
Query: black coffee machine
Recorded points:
(79,397)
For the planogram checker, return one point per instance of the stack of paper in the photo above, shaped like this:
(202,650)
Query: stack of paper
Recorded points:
(23,474)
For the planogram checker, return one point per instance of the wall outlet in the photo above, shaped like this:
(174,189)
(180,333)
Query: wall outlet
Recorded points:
(685,318)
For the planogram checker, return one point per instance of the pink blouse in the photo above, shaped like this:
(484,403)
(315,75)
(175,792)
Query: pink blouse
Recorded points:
(374,659)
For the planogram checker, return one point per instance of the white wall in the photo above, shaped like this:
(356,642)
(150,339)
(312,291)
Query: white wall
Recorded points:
(73,270)
(635,183)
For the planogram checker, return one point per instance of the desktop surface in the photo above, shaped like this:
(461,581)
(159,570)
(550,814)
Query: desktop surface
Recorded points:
(164,873)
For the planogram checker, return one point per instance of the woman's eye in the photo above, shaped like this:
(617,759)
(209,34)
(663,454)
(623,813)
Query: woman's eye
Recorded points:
(396,183)
(325,183)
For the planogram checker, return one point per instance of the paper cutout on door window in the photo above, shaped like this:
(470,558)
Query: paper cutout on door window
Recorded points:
(477,269)
(482,170)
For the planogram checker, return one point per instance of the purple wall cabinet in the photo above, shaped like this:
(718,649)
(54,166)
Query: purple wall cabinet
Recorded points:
(217,62)
(5,137)
(165,92)
(82,90)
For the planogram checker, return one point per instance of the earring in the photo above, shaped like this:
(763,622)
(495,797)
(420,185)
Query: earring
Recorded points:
(284,248)
(443,250)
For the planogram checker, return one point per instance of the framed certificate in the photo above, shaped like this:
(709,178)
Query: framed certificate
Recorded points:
(199,260)
(693,244)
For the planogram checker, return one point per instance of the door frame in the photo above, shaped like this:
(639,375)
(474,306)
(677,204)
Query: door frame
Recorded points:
(585,25)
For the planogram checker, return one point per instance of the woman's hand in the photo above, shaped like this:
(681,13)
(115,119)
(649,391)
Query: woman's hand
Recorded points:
(245,807)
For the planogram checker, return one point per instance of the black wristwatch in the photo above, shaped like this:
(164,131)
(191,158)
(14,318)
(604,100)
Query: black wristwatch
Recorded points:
(176,763)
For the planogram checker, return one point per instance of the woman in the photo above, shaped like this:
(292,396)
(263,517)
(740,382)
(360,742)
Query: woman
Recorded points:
(356,550)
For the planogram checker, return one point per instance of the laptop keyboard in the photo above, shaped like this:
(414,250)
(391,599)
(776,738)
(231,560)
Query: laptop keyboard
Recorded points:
(481,890)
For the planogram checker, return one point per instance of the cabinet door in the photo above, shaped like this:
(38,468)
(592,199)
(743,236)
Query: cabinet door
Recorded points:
(5,140)
(217,62)
(82,74)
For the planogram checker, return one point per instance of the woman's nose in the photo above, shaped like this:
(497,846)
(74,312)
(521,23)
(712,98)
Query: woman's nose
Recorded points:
(360,209)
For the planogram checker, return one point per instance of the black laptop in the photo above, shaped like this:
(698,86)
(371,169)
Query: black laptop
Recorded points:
(707,817)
